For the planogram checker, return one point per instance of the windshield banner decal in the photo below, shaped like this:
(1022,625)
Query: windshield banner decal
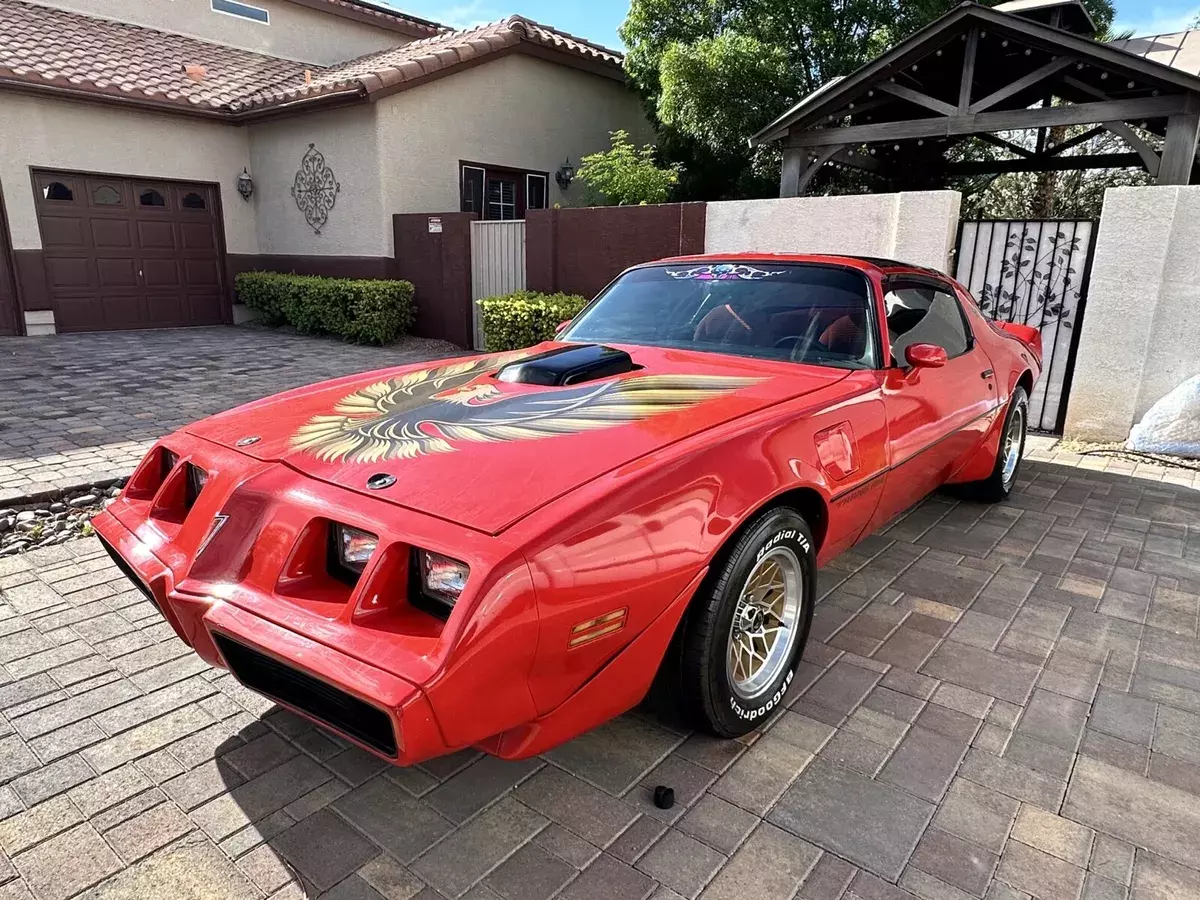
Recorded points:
(723,272)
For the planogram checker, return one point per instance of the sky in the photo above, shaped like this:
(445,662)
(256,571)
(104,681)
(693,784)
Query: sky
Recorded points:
(597,20)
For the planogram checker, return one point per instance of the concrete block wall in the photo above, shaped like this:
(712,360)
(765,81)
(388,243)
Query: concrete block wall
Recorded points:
(917,227)
(1141,327)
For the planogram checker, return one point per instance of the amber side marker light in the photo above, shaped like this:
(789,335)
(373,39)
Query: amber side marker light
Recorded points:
(594,629)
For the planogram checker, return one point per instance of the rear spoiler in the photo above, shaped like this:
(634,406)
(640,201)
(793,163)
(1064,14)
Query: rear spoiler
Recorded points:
(1026,334)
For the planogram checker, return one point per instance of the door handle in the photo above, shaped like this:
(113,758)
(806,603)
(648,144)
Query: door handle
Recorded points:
(986,373)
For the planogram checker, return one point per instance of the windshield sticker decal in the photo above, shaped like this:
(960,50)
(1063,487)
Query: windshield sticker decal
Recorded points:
(724,272)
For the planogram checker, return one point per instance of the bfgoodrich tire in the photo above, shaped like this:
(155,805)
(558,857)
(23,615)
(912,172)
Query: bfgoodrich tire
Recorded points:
(1000,483)
(746,631)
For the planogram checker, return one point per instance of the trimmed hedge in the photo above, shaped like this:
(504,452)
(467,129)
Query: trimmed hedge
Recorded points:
(363,310)
(515,321)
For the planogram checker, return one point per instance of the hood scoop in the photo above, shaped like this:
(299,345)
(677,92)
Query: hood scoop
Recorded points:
(568,365)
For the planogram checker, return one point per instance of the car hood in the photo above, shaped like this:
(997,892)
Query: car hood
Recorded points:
(466,447)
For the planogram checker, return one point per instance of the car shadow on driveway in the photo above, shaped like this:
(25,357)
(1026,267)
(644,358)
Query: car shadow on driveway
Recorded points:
(978,702)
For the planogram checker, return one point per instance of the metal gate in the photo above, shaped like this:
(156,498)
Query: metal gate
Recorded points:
(497,263)
(1035,273)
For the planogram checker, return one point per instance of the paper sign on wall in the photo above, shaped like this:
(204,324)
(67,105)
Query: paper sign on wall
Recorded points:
(435,224)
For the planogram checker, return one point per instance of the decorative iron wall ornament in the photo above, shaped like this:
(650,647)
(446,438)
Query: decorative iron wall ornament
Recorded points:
(315,188)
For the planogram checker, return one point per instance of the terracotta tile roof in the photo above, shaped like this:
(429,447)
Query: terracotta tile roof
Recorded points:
(433,56)
(45,47)
(1180,50)
(56,49)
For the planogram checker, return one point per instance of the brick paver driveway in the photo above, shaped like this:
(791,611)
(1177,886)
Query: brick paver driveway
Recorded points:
(996,701)
(83,407)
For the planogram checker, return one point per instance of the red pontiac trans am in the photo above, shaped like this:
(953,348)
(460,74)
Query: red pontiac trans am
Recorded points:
(504,551)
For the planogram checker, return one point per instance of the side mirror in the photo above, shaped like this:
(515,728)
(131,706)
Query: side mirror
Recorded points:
(561,327)
(925,356)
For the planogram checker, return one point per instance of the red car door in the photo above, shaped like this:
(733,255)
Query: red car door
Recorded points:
(936,415)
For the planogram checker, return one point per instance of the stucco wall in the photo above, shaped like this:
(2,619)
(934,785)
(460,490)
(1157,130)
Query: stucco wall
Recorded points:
(357,224)
(915,227)
(50,134)
(1141,335)
(517,112)
(294,32)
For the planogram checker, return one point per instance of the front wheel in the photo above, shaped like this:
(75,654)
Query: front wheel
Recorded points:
(999,484)
(744,637)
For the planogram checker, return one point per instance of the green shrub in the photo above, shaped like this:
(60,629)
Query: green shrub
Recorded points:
(519,320)
(366,311)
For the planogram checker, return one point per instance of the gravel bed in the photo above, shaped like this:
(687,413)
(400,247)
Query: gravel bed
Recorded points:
(44,523)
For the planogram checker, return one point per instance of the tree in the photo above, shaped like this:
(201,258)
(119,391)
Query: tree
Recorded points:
(625,175)
(713,72)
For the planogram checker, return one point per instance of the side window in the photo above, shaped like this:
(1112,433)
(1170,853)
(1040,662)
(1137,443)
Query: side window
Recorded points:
(923,314)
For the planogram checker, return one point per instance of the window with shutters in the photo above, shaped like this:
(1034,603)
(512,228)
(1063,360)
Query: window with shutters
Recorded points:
(500,193)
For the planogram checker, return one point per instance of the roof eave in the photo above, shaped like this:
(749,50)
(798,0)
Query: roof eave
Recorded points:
(402,24)
(110,98)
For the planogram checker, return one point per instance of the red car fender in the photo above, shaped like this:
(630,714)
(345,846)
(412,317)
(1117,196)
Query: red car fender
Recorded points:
(606,559)
(615,689)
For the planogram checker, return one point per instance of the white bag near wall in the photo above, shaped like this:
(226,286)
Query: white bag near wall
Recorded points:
(1172,425)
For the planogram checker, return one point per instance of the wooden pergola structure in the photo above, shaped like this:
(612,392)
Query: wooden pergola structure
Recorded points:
(980,72)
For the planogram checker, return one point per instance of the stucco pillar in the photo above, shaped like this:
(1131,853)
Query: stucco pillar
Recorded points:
(1131,256)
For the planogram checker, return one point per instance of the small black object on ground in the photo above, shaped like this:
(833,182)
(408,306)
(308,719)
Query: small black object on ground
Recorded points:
(664,797)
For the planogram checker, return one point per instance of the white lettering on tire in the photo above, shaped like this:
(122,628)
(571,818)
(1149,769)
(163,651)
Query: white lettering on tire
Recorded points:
(788,534)
(749,714)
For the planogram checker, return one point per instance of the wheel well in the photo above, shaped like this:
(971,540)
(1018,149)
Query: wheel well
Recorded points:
(1026,381)
(804,500)
(809,504)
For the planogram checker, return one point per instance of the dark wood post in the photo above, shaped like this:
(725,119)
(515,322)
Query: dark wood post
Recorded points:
(1179,149)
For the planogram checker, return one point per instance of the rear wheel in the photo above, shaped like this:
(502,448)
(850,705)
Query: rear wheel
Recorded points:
(999,484)
(744,637)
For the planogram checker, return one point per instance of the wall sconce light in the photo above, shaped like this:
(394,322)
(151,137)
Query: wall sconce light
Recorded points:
(245,184)
(565,174)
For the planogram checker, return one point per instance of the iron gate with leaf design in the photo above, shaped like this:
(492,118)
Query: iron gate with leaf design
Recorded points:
(1034,272)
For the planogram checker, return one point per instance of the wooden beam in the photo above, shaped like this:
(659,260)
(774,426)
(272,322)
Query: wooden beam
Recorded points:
(1046,164)
(1081,138)
(1148,154)
(823,156)
(1037,76)
(790,170)
(1005,120)
(1179,149)
(864,161)
(899,90)
(970,51)
(1006,145)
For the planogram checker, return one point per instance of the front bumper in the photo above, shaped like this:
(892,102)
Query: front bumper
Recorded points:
(373,708)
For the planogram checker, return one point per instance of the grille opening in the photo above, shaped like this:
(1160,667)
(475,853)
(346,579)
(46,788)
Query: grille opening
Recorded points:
(128,572)
(334,707)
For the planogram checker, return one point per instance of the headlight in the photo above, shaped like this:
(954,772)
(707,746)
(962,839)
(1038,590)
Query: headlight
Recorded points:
(442,578)
(352,548)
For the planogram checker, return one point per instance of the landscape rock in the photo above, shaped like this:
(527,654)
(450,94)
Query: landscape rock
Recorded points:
(1172,425)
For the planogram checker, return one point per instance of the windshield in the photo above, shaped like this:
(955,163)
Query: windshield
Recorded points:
(802,313)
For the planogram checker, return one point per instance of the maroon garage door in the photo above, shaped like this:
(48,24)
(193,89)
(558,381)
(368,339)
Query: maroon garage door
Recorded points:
(128,252)
(8,293)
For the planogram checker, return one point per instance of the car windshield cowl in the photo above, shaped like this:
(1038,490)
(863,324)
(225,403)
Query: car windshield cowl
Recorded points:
(818,314)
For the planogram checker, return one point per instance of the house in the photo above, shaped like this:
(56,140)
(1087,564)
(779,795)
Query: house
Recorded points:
(127,129)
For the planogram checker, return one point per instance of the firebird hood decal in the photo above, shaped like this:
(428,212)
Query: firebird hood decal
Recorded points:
(430,410)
